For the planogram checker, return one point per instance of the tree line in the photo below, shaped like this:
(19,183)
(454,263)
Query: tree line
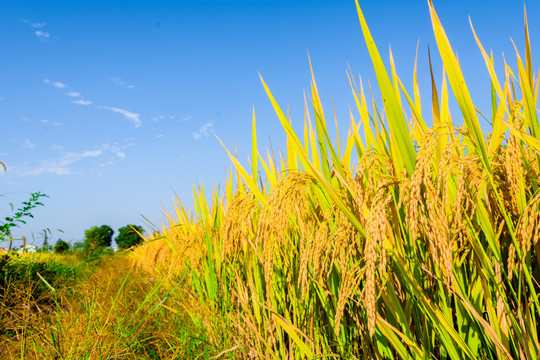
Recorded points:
(100,237)
(96,238)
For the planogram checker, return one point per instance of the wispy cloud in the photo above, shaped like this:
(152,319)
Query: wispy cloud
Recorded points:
(46,122)
(115,149)
(159,136)
(56,84)
(131,116)
(70,93)
(121,82)
(35,24)
(81,102)
(203,130)
(59,166)
(42,35)
(162,117)
(27,144)
(65,163)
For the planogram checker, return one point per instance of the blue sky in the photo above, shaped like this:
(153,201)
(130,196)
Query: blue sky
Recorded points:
(109,107)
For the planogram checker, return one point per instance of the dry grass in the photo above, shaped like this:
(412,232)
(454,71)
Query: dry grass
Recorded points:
(113,313)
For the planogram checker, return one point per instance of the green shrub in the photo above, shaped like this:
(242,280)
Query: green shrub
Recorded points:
(61,246)
(38,273)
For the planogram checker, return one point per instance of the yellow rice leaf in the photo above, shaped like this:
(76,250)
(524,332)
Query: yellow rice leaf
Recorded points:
(244,174)
(527,90)
(361,105)
(320,124)
(293,333)
(416,88)
(396,120)
(310,168)
(528,58)
(526,138)
(420,126)
(360,148)
(457,82)
(499,127)
(445,329)
(490,67)
(346,158)
(387,329)
(395,77)
(254,152)
(313,144)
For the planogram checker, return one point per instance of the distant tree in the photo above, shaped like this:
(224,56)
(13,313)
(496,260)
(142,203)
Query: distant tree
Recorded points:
(78,246)
(61,246)
(129,236)
(98,237)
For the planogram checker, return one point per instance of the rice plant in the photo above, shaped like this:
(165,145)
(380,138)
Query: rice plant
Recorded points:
(417,239)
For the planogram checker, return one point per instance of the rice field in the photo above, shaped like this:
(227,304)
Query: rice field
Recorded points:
(413,234)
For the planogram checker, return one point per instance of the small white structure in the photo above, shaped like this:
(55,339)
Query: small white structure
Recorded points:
(29,248)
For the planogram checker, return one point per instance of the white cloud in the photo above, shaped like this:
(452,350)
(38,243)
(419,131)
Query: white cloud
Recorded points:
(131,116)
(42,35)
(117,81)
(186,118)
(159,136)
(121,82)
(34,25)
(81,102)
(59,166)
(162,117)
(45,121)
(56,84)
(27,144)
(115,150)
(64,164)
(203,130)
(70,93)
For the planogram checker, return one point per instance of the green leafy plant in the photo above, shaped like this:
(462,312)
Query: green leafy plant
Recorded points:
(19,216)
